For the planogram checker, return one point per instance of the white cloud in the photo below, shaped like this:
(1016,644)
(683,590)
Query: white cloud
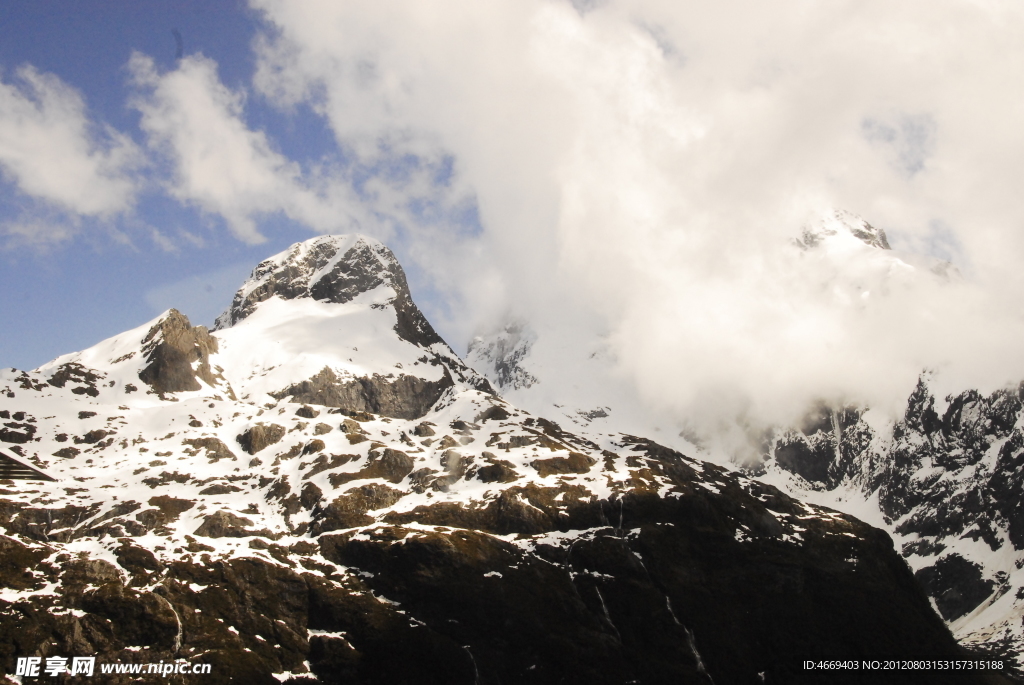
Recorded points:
(52,152)
(37,232)
(219,164)
(396,186)
(649,163)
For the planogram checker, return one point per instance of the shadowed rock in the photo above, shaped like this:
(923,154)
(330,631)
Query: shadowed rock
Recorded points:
(404,397)
(172,347)
(349,510)
(260,436)
(497,470)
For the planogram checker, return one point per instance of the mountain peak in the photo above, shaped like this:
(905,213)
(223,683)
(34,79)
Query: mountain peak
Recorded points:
(335,269)
(843,223)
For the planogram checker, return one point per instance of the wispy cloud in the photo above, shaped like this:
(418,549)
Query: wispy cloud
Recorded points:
(221,165)
(51,152)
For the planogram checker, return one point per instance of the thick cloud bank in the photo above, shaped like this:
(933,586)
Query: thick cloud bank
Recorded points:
(649,165)
(636,172)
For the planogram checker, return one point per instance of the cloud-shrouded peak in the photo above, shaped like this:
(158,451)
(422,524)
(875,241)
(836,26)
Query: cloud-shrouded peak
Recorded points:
(842,223)
(642,170)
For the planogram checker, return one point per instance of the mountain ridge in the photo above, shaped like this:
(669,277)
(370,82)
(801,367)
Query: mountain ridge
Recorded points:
(221,499)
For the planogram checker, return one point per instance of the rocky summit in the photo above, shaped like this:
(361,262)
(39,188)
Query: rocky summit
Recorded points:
(321,491)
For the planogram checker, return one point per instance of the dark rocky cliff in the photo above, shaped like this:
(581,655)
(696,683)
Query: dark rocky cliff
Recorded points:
(688,574)
(949,482)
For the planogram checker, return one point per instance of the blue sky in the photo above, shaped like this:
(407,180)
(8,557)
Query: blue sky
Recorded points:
(66,297)
(112,273)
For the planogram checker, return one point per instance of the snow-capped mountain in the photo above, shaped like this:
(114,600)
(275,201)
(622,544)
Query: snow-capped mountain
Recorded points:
(942,478)
(320,490)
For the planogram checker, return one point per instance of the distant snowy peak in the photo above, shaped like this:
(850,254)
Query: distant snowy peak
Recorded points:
(844,235)
(841,224)
(499,356)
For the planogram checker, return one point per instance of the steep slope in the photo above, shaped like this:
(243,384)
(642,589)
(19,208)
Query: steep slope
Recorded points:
(946,482)
(321,491)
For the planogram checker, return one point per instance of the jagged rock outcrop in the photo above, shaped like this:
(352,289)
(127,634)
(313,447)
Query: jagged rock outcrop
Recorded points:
(177,354)
(813,452)
(949,483)
(259,437)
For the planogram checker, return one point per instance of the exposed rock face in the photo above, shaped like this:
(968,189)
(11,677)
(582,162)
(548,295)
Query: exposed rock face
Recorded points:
(167,510)
(307,412)
(404,397)
(224,524)
(950,484)
(956,584)
(497,470)
(390,465)
(350,509)
(76,374)
(17,433)
(217,450)
(172,348)
(260,437)
(812,451)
